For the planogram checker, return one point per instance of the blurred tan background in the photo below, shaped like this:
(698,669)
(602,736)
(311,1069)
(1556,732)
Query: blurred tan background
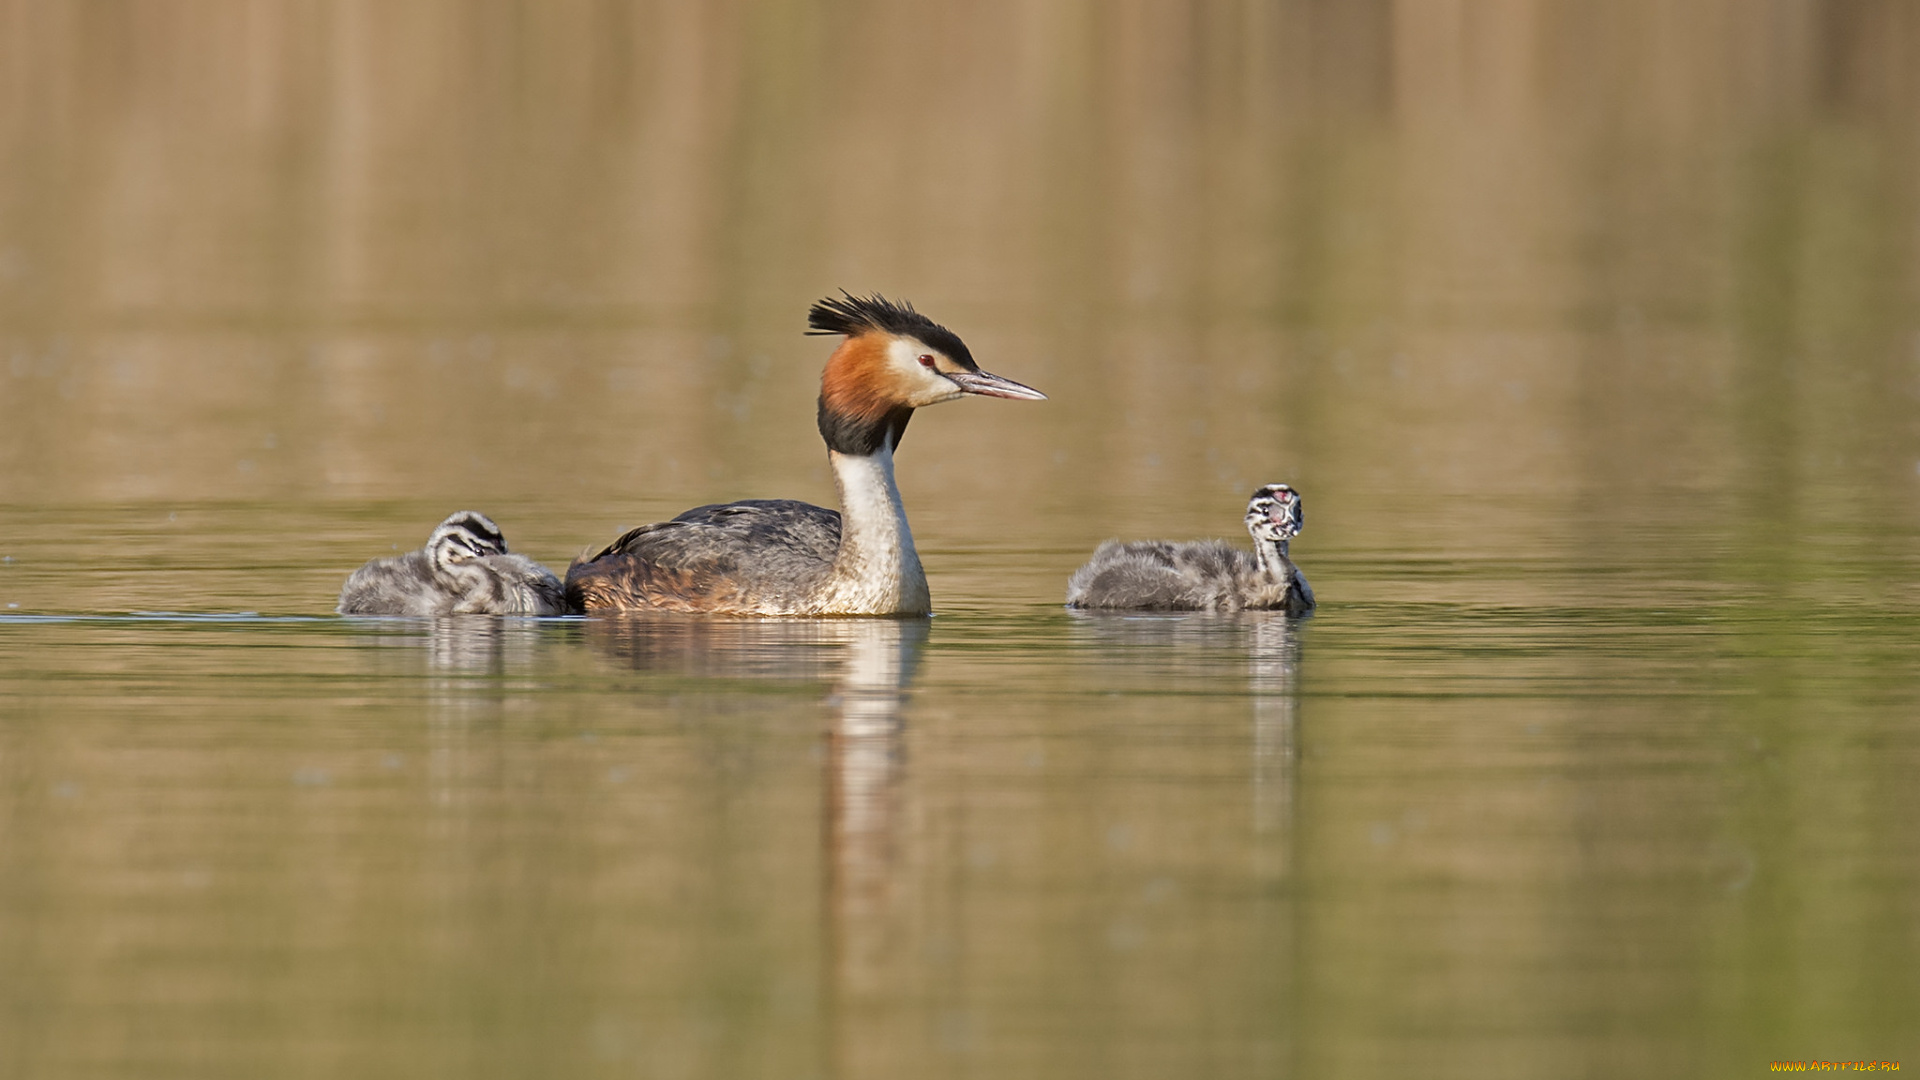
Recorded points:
(558,255)
(281,283)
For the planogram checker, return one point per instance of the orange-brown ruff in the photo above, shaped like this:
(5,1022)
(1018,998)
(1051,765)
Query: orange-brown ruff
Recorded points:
(857,380)
(784,557)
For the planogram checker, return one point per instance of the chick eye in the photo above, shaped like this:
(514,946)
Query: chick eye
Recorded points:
(926,361)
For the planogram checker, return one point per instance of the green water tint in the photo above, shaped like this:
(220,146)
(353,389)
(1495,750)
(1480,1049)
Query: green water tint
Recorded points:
(1586,330)
(1589,815)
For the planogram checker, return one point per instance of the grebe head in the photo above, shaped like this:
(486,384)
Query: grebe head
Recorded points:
(895,360)
(462,538)
(1274,514)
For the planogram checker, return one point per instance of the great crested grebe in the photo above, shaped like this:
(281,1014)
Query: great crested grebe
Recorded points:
(465,569)
(1203,575)
(784,557)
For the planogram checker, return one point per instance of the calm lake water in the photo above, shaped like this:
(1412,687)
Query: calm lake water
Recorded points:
(1590,333)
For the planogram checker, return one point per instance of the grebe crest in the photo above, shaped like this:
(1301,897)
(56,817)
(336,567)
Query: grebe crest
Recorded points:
(783,557)
(1203,575)
(894,360)
(465,569)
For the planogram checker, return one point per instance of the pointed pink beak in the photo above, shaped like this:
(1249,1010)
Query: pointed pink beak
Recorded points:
(986,385)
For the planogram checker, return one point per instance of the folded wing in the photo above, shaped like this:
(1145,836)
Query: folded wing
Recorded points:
(742,556)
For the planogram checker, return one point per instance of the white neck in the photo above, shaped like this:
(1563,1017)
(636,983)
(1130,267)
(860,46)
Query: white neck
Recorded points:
(1273,558)
(877,571)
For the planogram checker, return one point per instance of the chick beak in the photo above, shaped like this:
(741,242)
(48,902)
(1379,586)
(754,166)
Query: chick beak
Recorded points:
(988,385)
(1286,515)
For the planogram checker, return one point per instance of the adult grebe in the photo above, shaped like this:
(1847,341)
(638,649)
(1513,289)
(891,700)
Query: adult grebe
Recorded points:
(783,557)
(1204,575)
(465,569)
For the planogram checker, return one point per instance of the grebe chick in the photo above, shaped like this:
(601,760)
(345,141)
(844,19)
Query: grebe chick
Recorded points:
(1203,575)
(465,569)
(782,557)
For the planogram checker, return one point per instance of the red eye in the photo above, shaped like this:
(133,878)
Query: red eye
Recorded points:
(926,361)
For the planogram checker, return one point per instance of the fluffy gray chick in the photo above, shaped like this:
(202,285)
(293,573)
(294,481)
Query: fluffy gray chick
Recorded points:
(1203,575)
(465,569)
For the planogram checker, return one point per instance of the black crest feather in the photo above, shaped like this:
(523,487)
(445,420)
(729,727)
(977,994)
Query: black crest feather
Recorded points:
(854,315)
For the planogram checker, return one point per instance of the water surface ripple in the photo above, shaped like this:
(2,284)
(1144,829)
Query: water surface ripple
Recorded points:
(1543,832)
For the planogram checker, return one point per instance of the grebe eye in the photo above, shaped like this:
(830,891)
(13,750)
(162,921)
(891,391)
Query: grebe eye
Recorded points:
(926,361)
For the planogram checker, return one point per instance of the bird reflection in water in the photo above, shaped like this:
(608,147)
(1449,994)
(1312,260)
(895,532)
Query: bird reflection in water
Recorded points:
(468,657)
(862,820)
(1266,645)
(480,644)
(460,644)
(702,646)
(469,661)
(868,664)
(1273,675)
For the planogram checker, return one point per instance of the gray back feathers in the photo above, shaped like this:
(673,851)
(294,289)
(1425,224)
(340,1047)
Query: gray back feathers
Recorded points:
(1202,575)
(465,569)
(756,554)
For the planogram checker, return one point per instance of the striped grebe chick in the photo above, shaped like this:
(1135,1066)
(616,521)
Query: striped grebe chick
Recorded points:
(783,557)
(1203,575)
(465,569)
